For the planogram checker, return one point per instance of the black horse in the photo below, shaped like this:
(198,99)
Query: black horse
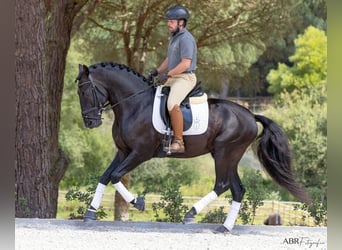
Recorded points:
(231,129)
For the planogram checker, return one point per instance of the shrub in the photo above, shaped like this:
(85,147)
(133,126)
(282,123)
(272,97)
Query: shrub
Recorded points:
(215,216)
(171,204)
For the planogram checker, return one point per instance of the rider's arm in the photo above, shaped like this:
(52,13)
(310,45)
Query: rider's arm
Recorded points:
(163,66)
(181,67)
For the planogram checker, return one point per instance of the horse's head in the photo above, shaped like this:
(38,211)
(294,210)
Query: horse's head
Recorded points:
(92,98)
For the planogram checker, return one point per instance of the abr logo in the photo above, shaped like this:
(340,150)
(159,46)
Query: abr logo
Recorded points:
(291,241)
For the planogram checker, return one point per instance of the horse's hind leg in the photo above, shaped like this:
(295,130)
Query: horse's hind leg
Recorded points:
(226,162)
(238,192)
(198,207)
(227,177)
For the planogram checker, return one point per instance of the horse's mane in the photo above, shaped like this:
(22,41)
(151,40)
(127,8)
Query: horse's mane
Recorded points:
(113,65)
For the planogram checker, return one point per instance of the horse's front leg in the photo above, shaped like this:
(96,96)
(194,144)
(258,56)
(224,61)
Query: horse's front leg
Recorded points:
(114,173)
(104,180)
(130,162)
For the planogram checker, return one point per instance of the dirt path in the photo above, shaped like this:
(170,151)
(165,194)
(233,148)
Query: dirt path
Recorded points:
(46,234)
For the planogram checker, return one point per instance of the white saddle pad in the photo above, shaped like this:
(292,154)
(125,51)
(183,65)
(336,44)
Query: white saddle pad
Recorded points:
(200,116)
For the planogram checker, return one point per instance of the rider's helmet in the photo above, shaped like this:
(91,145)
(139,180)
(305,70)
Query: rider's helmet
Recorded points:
(177,12)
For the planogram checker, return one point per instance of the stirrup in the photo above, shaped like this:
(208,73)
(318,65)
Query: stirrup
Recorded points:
(181,148)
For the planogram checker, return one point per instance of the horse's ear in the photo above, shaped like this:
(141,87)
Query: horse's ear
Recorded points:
(80,68)
(83,69)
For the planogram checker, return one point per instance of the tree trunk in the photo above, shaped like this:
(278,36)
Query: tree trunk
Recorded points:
(224,89)
(42,39)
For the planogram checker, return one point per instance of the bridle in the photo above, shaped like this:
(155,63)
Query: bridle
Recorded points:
(100,107)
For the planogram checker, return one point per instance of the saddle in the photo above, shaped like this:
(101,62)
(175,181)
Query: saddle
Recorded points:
(196,95)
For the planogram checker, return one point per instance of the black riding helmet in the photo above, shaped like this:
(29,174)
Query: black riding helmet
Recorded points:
(177,13)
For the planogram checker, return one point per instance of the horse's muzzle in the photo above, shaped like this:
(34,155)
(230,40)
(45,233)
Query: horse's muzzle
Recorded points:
(90,123)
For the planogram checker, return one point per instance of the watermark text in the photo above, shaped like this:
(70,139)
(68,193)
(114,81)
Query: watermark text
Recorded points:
(303,241)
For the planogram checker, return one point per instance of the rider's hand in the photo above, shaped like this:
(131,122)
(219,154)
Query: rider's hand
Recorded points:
(162,79)
(152,74)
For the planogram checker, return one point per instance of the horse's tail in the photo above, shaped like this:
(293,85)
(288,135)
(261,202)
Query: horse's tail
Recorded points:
(274,154)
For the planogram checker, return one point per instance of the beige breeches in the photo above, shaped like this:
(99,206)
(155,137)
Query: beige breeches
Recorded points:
(180,86)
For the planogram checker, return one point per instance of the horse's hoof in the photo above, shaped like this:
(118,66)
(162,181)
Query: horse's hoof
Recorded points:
(189,217)
(89,216)
(188,220)
(221,230)
(139,204)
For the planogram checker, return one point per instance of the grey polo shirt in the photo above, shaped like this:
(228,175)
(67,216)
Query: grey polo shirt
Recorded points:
(182,45)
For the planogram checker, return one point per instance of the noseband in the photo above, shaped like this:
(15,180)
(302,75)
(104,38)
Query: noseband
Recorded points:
(98,106)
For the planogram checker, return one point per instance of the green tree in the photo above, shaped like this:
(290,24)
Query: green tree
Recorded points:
(230,34)
(309,64)
(303,14)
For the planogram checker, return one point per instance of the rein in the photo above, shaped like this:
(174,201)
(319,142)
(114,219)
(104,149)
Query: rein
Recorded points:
(108,106)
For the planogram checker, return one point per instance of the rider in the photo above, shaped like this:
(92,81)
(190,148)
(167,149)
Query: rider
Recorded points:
(178,71)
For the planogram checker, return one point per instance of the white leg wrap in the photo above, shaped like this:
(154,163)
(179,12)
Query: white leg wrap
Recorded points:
(95,203)
(205,201)
(128,197)
(232,215)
